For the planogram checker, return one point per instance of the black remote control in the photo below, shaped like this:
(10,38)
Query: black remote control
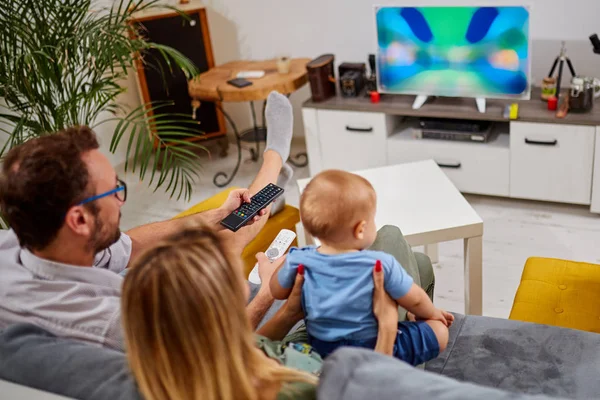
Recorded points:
(247,211)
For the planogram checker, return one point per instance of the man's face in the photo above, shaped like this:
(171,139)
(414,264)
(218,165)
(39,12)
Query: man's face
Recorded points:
(106,210)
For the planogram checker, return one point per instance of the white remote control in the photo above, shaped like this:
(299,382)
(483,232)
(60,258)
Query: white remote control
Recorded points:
(280,244)
(250,74)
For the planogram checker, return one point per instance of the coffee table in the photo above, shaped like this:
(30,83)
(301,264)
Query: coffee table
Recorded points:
(419,199)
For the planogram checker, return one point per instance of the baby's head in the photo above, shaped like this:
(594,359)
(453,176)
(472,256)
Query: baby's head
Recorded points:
(338,208)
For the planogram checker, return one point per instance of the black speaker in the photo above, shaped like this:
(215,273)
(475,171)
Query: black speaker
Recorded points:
(160,83)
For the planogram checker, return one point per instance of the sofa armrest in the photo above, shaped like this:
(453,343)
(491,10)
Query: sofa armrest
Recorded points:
(357,374)
(35,358)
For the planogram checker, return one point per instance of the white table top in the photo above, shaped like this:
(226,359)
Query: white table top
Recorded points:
(420,199)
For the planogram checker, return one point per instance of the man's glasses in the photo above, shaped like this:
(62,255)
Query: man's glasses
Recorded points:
(120,193)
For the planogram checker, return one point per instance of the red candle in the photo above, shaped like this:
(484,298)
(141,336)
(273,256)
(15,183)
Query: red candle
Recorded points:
(375,97)
(552,103)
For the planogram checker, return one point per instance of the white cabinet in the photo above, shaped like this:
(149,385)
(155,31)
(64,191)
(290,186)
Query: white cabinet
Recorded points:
(551,162)
(539,161)
(311,136)
(352,140)
(481,168)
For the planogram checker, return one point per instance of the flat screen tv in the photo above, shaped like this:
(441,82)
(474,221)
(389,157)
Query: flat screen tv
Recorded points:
(480,52)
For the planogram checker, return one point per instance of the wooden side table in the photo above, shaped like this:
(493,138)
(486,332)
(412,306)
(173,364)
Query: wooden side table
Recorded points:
(212,86)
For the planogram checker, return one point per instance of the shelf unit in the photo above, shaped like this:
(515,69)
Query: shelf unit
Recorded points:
(534,157)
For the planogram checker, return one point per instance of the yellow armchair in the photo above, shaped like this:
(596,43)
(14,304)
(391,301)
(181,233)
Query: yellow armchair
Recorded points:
(559,292)
(285,219)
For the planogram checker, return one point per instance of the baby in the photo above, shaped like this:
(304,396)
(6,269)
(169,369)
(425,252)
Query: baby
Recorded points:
(338,208)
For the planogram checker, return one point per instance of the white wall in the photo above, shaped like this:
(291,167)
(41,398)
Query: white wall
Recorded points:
(261,29)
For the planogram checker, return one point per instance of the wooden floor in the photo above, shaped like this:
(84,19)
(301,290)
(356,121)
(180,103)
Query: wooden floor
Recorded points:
(513,231)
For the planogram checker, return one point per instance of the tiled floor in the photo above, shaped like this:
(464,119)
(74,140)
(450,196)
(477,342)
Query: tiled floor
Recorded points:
(513,231)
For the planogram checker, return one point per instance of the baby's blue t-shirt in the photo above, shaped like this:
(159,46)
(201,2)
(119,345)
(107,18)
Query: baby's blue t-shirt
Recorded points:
(337,295)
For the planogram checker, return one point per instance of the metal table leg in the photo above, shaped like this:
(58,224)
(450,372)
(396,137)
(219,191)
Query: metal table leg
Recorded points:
(218,175)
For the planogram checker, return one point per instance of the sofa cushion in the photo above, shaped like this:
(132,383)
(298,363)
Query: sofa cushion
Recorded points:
(522,357)
(358,374)
(32,357)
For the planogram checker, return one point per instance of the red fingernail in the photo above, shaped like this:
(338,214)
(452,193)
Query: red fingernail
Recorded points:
(301,269)
(378,266)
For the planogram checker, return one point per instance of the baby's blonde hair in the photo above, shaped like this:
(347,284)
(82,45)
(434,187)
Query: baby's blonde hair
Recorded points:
(334,201)
(186,329)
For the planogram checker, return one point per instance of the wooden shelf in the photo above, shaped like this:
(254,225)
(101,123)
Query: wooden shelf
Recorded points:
(534,110)
(406,132)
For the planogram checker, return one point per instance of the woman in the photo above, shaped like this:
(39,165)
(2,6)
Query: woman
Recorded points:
(187,333)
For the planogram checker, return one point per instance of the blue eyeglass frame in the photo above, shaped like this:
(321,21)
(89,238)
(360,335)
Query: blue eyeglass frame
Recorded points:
(122,187)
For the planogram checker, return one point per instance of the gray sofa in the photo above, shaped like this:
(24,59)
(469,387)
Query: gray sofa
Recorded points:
(487,358)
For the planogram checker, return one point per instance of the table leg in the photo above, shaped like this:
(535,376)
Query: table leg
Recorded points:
(218,175)
(432,252)
(255,153)
(474,275)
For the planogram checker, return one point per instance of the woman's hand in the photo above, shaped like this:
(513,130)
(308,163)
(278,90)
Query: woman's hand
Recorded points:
(288,315)
(293,306)
(386,312)
(384,307)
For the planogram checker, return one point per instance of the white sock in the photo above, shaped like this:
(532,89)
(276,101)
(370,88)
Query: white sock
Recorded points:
(285,175)
(280,124)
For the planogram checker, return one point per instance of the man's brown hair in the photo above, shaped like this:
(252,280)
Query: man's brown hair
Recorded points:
(333,201)
(41,179)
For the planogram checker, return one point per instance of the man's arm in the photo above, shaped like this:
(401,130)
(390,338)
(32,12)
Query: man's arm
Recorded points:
(263,300)
(145,236)
(259,306)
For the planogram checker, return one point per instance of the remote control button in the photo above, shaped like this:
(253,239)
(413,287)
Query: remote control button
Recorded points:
(272,253)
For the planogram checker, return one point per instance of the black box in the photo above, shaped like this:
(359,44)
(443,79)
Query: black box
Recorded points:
(352,83)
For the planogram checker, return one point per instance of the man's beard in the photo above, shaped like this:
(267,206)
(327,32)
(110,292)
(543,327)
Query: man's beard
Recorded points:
(103,239)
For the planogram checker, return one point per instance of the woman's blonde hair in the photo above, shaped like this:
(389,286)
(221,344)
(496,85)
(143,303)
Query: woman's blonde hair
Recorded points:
(186,329)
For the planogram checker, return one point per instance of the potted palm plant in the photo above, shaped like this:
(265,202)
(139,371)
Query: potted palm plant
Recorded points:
(62,63)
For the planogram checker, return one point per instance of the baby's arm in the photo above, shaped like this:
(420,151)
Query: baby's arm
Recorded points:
(411,296)
(282,281)
(417,302)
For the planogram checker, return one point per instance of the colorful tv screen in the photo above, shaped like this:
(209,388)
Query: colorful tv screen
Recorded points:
(454,51)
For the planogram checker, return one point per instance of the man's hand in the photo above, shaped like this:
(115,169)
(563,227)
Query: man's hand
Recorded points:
(266,268)
(235,199)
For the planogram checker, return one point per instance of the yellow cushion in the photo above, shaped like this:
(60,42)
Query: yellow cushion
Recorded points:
(559,292)
(285,219)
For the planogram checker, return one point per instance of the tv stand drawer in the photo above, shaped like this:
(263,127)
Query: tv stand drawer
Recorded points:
(352,140)
(552,162)
(481,168)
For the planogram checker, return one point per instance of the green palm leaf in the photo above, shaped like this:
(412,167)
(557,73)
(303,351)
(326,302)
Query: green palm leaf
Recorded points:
(61,64)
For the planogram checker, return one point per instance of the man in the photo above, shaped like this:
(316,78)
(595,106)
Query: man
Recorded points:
(61,261)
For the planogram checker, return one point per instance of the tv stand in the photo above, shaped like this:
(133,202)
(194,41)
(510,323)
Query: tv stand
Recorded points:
(537,156)
(421,99)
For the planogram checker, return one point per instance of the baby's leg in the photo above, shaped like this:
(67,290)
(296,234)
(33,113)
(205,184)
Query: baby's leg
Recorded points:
(441,333)
(420,341)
